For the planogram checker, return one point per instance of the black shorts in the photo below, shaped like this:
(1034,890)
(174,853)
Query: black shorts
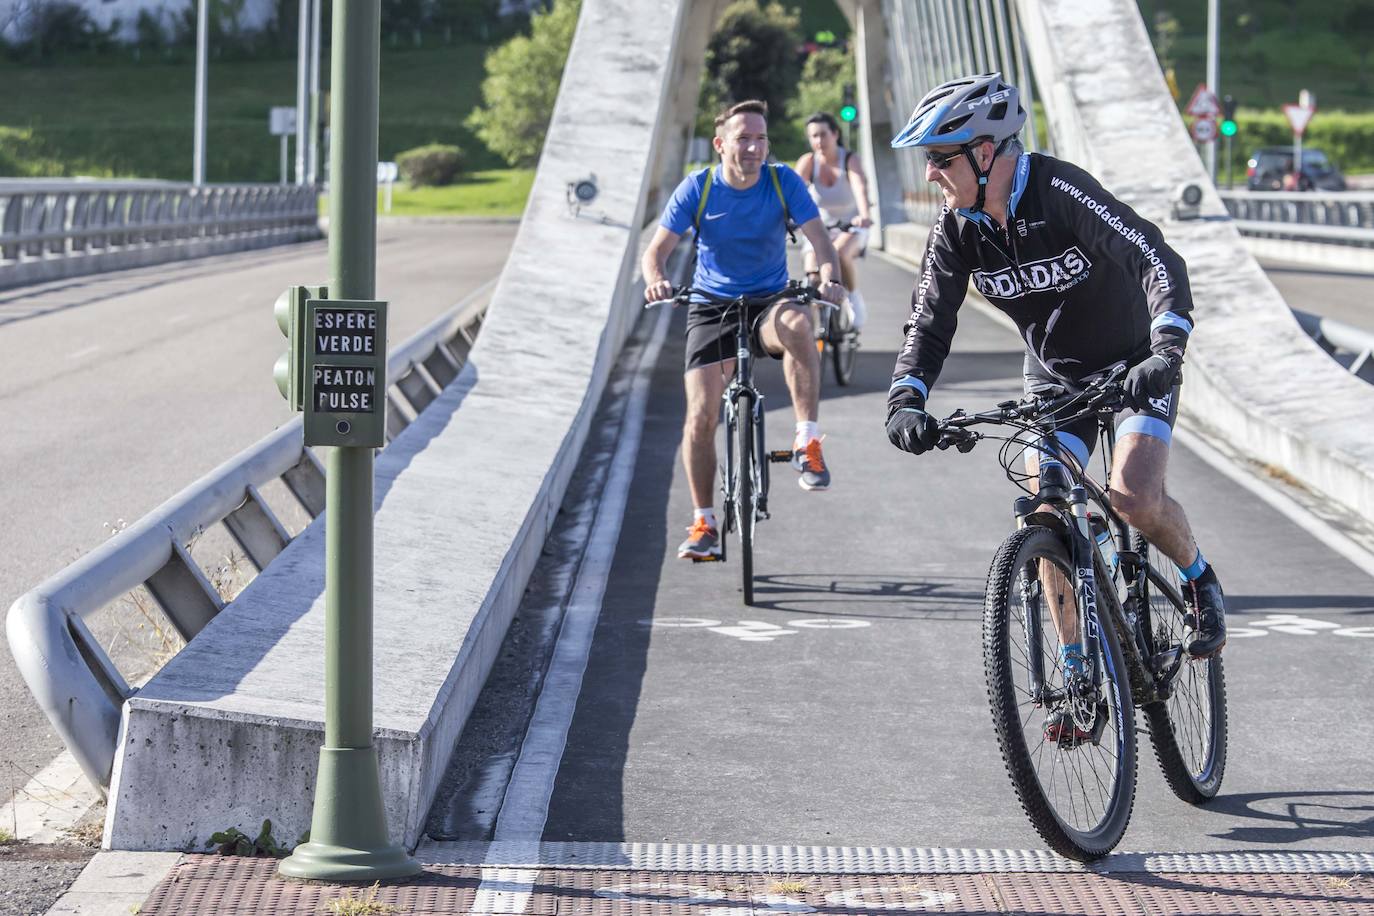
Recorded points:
(1080,437)
(711,333)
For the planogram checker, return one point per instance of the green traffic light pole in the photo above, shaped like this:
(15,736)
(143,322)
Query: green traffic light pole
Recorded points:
(348,833)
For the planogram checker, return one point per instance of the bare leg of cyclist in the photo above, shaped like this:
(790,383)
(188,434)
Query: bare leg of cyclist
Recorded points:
(704,386)
(1138,469)
(1057,589)
(787,329)
(847,246)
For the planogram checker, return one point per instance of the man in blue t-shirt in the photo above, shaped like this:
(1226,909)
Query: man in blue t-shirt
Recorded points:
(741,250)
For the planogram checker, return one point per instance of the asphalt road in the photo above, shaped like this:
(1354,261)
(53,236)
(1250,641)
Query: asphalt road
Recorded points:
(1346,296)
(849,707)
(120,389)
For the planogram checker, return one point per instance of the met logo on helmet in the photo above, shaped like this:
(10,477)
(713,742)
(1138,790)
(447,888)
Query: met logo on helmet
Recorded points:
(992,98)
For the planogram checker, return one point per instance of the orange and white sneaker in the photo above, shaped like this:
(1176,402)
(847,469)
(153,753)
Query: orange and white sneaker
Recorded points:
(809,461)
(703,542)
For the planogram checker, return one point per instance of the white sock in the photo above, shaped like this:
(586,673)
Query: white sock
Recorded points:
(857,307)
(806,431)
(709,513)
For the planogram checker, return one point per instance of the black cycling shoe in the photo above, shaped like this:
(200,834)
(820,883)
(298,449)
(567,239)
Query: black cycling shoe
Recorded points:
(1207,614)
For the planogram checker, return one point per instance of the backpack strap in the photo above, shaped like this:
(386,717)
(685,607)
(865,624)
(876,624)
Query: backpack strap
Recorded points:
(786,214)
(701,204)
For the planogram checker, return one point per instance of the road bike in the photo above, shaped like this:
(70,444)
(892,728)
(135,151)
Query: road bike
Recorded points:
(744,473)
(1073,565)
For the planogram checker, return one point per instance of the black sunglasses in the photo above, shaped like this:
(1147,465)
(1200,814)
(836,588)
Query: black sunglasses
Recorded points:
(943,161)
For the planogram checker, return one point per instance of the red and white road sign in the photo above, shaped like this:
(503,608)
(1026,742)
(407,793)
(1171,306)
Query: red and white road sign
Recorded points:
(1203,104)
(1299,116)
(1204,130)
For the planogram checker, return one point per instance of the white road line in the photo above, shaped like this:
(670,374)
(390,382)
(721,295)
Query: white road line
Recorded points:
(526,805)
(52,801)
(1188,436)
(83,352)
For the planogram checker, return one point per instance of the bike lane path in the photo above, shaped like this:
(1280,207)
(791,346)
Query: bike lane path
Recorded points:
(848,708)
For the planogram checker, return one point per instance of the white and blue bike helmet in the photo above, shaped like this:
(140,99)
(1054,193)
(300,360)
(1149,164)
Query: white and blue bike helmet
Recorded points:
(961,111)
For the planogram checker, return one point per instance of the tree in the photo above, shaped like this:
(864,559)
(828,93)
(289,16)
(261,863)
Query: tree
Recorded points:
(823,79)
(522,85)
(753,55)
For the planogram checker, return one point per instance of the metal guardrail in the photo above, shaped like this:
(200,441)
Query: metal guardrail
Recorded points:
(1334,217)
(1333,335)
(71,675)
(53,219)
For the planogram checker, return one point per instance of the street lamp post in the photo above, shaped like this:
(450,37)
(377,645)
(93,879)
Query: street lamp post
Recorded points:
(348,833)
(202,41)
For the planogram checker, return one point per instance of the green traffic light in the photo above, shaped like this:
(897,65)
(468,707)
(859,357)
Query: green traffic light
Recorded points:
(1228,128)
(848,113)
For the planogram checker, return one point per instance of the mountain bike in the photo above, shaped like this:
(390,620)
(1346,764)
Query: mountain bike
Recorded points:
(1074,565)
(744,473)
(837,333)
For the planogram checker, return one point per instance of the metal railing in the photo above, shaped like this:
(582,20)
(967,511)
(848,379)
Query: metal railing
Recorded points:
(53,219)
(1334,217)
(1336,336)
(71,675)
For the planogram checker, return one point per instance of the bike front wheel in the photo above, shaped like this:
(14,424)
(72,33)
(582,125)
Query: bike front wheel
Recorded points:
(1078,792)
(745,493)
(844,345)
(1188,729)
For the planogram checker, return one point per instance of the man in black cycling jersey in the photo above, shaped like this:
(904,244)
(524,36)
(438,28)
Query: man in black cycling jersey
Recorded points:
(1090,284)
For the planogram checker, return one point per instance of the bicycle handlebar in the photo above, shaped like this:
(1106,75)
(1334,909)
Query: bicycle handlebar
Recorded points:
(1104,394)
(802,293)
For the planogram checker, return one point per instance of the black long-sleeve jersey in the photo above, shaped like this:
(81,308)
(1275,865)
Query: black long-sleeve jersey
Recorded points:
(1089,283)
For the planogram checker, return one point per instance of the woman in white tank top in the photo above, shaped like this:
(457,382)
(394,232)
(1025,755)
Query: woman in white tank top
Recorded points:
(837,185)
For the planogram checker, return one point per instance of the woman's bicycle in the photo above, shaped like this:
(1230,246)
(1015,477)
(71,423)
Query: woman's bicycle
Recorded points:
(744,474)
(1074,568)
(836,333)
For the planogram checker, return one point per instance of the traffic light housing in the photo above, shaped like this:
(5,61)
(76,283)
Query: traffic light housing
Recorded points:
(290,313)
(1228,116)
(848,111)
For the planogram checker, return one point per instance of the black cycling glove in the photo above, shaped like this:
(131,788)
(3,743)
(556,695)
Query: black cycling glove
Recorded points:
(909,427)
(1152,378)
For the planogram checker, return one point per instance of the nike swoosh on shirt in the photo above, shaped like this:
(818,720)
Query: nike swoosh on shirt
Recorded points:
(716,215)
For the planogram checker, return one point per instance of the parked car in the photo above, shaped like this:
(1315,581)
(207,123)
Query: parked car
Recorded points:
(1269,165)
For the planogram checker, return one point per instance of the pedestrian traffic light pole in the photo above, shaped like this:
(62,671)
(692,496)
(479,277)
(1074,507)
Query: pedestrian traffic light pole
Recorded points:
(348,832)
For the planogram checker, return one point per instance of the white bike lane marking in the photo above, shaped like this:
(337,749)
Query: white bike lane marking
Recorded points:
(1295,625)
(756,630)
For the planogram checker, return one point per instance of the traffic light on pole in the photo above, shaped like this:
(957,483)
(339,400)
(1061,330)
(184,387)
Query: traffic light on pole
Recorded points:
(847,110)
(289,371)
(1228,116)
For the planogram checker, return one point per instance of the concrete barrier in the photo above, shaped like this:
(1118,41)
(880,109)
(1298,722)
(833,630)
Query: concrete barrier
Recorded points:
(228,732)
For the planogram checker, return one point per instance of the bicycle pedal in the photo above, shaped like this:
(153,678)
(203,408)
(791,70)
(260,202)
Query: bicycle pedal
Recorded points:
(779,457)
(715,559)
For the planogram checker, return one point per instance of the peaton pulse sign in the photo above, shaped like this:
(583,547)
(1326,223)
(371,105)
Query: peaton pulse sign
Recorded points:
(335,369)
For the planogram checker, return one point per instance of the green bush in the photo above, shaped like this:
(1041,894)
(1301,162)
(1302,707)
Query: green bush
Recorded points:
(432,166)
(823,79)
(521,86)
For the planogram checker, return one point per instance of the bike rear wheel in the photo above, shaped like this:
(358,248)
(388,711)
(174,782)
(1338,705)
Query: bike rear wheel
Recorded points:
(1077,796)
(745,493)
(1188,729)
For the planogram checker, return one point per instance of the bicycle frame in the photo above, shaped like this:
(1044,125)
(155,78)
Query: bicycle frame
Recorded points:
(741,387)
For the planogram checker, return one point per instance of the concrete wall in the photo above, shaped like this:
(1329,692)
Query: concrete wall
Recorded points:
(228,732)
(1255,378)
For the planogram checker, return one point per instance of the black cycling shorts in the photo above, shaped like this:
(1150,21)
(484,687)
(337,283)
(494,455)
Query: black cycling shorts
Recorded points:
(1080,437)
(711,333)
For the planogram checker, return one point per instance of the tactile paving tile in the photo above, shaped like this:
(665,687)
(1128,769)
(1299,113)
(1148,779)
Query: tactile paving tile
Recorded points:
(229,886)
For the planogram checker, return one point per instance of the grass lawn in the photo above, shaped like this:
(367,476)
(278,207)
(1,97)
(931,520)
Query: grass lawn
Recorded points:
(113,116)
(494,192)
